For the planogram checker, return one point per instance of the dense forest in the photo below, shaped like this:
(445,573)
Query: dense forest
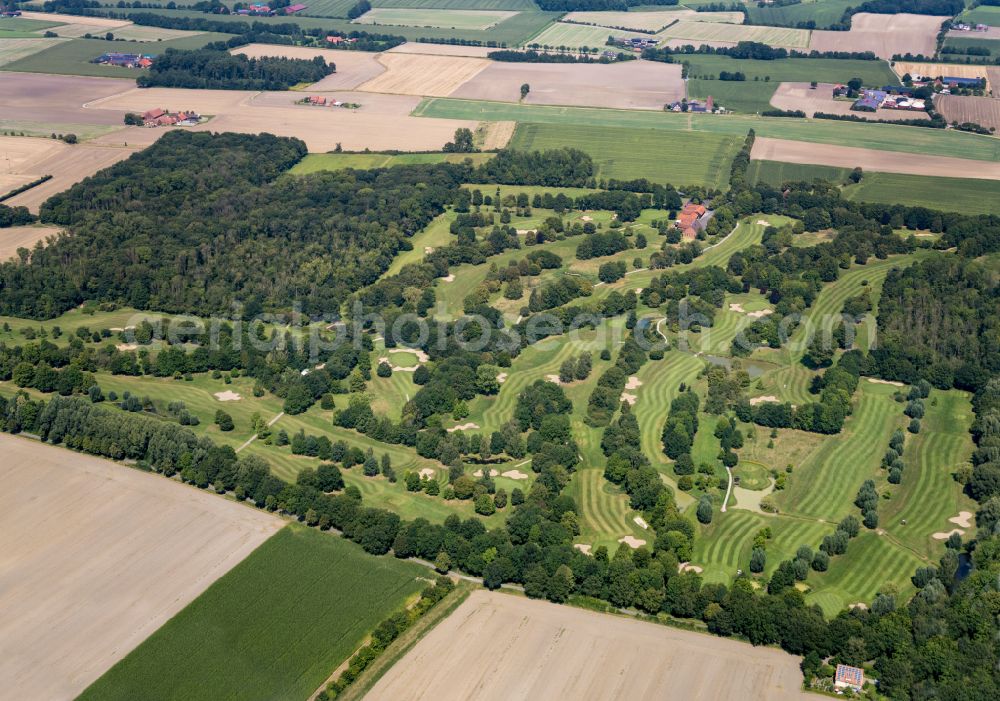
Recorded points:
(214,68)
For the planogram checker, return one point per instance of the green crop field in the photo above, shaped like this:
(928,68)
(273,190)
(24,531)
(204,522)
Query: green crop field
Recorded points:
(480,20)
(777,173)
(749,97)
(276,626)
(458,4)
(315,162)
(693,158)
(884,137)
(574,36)
(984,14)
(823,12)
(74,57)
(971,41)
(328,8)
(22,24)
(14,50)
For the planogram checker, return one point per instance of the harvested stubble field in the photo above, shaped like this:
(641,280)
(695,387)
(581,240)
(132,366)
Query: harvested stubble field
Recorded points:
(652,21)
(424,75)
(802,96)
(631,85)
(459,4)
(445,19)
(353,67)
(885,35)
(383,122)
(274,627)
(720,31)
(980,110)
(60,99)
(15,237)
(497,646)
(99,24)
(769,149)
(414,47)
(135,32)
(97,556)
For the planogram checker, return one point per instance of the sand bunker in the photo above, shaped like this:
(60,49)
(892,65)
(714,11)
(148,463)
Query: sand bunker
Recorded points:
(737,307)
(502,377)
(422,357)
(877,381)
(946,536)
(427,472)
(450,277)
(760,313)
(553,379)
(463,427)
(515,475)
(688,567)
(964,519)
(641,522)
(761,400)
(228,396)
(630,398)
(582,547)
(633,383)
(632,541)
(479,473)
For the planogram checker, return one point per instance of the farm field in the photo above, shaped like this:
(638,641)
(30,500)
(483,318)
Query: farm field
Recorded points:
(105,555)
(316,162)
(980,110)
(696,32)
(458,4)
(576,36)
(424,75)
(328,8)
(136,32)
(14,49)
(885,137)
(353,67)
(983,14)
(562,652)
(972,196)
(823,12)
(74,57)
(446,19)
(884,35)
(275,627)
(974,40)
(630,85)
(635,21)
(869,159)
(633,153)
(15,237)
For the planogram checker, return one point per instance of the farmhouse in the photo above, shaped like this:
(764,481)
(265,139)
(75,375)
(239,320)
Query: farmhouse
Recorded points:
(691,220)
(162,118)
(870,100)
(124,60)
(956,82)
(686,105)
(292,9)
(10,13)
(256,10)
(848,677)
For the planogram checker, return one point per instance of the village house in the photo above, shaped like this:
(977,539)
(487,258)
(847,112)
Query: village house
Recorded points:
(121,60)
(159,117)
(692,219)
(848,677)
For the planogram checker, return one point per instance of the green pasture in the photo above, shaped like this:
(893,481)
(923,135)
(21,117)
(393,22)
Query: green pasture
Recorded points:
(317,162)
(626,154)
(823,12)
(970,41)
(777,173)
(74,57)
(458,4)
(328,8)
(748,97)
(825,485)
(23,24)
(479,20)
(884,137)
(929,495)
(276,626)
(983,14)
(575,36)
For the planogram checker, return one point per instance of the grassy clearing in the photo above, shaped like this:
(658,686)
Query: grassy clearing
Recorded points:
(689,159)
(316,162)
(480,20)
(74,57)
(824,486)
(885,137)
(274,627)
(929,495)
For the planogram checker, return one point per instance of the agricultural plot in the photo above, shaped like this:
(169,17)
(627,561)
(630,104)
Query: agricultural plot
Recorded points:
(316,162)
(15,237)
(562,652)
(939,70)
(884,35)
(978,110)
(696,32)
(13,50)
(353,67)
(275,627)
(424,75)
(869,159)
(650,21)
(884,137)
(823,12)
(458,4)
(692,158)
(22,24)
(806,98)
(577,36)
(631,85)
(945,194)
(105,555)
(328,8)
(776,173)
(136,32)
(976,40)
(982,14)
(479,20)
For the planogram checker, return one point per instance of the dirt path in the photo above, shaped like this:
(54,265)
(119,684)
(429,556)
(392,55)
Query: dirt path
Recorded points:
(729,490)
(252,438)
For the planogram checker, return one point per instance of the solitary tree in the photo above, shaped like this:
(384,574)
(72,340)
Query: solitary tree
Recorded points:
(525,89)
